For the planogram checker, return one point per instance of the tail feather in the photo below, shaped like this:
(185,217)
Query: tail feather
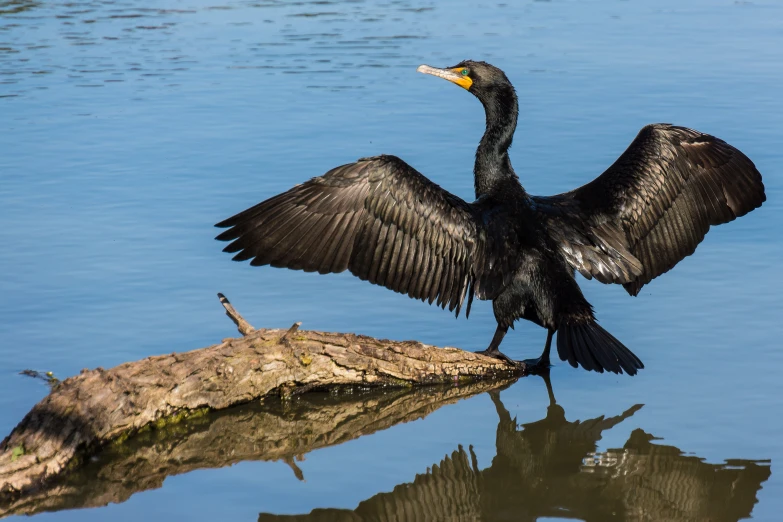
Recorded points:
(594,358)
(584,356)
(604,350)
(595,349)
(569,355)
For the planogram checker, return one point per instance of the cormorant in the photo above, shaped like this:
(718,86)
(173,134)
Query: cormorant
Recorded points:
(388,224)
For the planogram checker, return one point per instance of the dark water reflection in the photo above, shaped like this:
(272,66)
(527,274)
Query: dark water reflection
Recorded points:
(547,468)
(551,468)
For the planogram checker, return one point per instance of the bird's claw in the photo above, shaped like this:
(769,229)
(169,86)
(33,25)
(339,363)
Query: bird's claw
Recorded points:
(537,366)
(496,354)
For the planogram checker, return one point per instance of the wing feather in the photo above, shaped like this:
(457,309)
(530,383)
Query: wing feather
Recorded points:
(653,206)
(378,218)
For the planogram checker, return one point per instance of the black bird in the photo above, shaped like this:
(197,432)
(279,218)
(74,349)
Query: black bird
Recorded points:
(388,224)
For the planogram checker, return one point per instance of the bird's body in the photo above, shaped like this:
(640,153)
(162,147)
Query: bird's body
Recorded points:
(390,225)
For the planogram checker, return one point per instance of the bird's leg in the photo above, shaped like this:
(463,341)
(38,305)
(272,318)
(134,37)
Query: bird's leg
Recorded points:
(492,349)
(541,364)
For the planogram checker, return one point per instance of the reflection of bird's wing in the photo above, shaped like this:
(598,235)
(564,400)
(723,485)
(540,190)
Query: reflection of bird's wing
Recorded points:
(659,482)
(450,491)
(379,218)
(653,206)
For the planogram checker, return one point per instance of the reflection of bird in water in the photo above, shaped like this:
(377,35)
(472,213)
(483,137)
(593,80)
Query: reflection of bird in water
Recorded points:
(550,468)
(540,456)
(388,224)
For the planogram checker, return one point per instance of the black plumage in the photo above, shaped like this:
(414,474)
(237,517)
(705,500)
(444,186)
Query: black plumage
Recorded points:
(388,224)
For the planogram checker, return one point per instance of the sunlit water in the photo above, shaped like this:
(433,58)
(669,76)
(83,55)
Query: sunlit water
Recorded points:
(127,130)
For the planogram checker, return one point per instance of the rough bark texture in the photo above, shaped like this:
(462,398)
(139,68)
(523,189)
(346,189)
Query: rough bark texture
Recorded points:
(86,411)
(272,430)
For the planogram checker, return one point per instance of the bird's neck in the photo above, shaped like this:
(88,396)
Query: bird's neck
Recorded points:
(492,163)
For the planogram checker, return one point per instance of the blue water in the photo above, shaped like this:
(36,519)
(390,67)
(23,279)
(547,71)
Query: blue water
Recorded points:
(127,131)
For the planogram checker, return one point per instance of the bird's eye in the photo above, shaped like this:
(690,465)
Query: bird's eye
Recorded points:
(464,72)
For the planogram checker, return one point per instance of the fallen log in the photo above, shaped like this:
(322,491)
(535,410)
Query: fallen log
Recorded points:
(270,430)
(85,412)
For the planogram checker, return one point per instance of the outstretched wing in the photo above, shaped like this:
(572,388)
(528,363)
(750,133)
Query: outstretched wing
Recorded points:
(378,218)
(653,206)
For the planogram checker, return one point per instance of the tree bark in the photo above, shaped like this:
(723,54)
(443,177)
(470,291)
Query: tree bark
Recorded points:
(270,430)
(84,412)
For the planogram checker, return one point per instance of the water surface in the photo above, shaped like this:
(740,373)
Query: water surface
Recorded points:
(127,130)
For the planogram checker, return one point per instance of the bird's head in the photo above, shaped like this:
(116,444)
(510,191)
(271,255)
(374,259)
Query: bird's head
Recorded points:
(479,78)
(495,92)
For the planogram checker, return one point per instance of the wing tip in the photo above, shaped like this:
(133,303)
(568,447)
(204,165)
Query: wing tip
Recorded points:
(228,235)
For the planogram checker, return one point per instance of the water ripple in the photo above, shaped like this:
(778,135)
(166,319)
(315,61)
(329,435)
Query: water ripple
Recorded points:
(113,28)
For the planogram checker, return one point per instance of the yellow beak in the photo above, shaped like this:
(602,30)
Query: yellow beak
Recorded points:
(452,75)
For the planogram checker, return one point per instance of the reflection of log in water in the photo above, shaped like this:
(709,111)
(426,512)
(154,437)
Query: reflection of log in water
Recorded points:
(276,430)
(97,407)
(551,468)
